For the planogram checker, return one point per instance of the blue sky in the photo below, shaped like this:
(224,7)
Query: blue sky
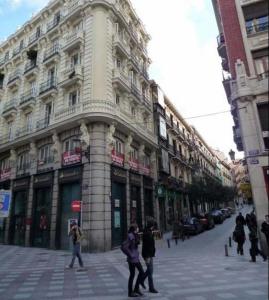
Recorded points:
(184,54)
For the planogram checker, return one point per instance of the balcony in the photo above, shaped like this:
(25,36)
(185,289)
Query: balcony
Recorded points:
(67,112)
(10,108)
(135,63)
(14,79)
(121,45)
(222,47)
(254,29)
(147,102)
(145,74)
(134,164)
(238,138)
(133,34)
(23,169)
(48,88)
(263,76)
(27,129)
(54,23)
(16,51)
(135,91)
(28,99)
(34,38)
(31,69)
(74,9)
(247,2)
(72,75)
(52,54)
(227,87)
(117,158)
(120,80)
(168,121)
(73,41)
(72,157)
(43,123)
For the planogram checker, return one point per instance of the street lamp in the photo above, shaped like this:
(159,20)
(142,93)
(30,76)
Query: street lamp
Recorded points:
(232,155)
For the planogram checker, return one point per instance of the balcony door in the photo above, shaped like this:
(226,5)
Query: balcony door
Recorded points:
(51,76)
(48,112)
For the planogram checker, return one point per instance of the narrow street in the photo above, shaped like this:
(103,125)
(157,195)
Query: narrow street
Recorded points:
(196,269)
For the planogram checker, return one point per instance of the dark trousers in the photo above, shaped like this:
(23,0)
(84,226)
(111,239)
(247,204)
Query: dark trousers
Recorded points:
(76,253)
(240,249)
(149,272)
(254,250)
(140,277)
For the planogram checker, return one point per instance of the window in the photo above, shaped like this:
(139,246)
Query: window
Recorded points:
(29,121)
(75,60)
(45,154)
(165,161)
(146,160)
(38,32)
(263,110)
(23,161)
(21,44)
(10,131)
(74,98)
(5,164)
(162,128)
(72,145)
(134,154)
(6,55)
(133,111)
(118,63)
(119,147)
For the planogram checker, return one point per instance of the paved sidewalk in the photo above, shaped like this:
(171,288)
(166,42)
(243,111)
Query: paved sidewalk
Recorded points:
(193,270)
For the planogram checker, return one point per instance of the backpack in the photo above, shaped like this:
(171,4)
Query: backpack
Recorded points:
(125,247)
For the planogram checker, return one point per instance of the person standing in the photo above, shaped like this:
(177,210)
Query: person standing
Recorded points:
(148,252)
(265,229)
(239,237)
(76,235)
(254,249)
(240,219)
(131,250)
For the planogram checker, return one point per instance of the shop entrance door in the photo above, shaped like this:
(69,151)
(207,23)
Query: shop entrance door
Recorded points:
(148,204)
(69,193)
(41,218)
(17,221)
(118,208)
(136,213)
(162,214)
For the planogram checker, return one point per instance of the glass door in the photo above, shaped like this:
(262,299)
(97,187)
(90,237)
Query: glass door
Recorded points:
(136,213)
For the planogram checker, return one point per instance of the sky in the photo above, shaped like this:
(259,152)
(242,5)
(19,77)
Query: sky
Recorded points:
(185,62)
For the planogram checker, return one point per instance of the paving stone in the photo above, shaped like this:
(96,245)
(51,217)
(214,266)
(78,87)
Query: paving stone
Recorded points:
(54,294)
(226,296)
(22,296)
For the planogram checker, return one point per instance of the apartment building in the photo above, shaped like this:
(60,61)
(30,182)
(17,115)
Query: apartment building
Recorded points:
(243,47)
(224,168)
(77,124)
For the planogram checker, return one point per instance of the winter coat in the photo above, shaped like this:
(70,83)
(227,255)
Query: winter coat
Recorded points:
(265,229)
(239,234)
(148,247)
(240,219)
(133,256)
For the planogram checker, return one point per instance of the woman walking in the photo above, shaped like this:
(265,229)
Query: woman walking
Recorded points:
(239,237)
(131,249)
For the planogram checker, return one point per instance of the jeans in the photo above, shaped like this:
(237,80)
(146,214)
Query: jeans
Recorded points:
(139,279)
(76,253)
(149,272)
(240,249)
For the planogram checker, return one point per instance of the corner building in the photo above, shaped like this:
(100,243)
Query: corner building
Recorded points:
(243,47)
(77,124)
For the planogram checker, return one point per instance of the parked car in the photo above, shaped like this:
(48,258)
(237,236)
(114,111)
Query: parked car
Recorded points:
(231,209)
(217,216)
(226,212)
(206,220)
(192,226)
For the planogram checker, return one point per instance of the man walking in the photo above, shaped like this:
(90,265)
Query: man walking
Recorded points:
(239,237)
(148,252)
(76,235)
(265,229)
(254,250)
(240,219)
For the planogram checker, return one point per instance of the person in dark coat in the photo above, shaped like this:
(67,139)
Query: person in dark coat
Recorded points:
(265,229)
(240,219)
(134,263)
(148,252)
(239,237)
(254,250)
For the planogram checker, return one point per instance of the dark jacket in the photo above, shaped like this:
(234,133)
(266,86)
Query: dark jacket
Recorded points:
(239,234)
(265,229)
(148,247)
(240,219)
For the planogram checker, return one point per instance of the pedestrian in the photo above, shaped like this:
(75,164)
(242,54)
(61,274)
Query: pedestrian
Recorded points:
(76,235)
(240,219)
(148,252)
(265,229)
(254,249)
(253,219)
(130,248)
(239,237)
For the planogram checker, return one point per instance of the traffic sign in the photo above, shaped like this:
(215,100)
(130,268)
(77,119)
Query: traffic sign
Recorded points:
(76,206)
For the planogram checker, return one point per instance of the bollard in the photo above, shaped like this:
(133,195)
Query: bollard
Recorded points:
(168,243)
(176,241)
(230,241)
(226,250)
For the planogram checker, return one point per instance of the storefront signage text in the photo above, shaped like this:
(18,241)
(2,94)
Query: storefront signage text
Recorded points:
(117,158)
(71,157)
(144,169)
(134,165)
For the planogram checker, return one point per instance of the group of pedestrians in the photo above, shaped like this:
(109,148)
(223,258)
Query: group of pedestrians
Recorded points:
(130,248)
(239,235)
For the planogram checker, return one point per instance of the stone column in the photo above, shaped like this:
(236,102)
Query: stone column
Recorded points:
(54,209)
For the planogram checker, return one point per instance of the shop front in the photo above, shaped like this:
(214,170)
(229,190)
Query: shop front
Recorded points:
(148,198)
(118,205)
(17,226)
(135,200)
(41,213)
(69,191)
(162,195)
(4,185)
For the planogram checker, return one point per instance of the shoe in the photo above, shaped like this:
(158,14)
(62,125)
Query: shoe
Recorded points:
(68,267)
(139,293)
(133,295)
(153,291)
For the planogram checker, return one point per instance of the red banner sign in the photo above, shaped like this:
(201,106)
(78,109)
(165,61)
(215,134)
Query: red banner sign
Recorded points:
(117,158)
(76,206)
(5,174)
(71,157)
(144,169)
(134,165)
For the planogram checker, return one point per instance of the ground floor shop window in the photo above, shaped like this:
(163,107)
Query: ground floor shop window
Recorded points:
(2,230)
(136,213)
(18,218)
(148,204)
(41,217)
